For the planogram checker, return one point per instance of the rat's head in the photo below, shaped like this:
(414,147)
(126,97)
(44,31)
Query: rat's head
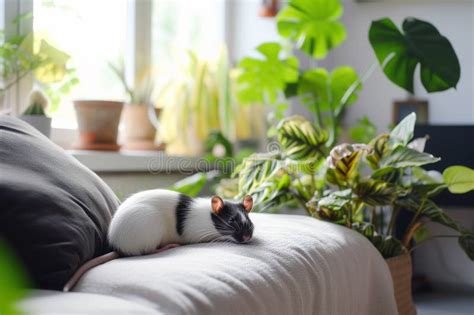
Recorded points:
(231,218)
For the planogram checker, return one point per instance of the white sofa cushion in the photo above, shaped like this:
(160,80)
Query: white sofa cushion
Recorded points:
(294,265)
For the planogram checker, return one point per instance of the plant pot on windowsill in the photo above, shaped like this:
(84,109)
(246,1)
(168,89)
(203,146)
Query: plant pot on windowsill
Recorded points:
(98,123)
(140,133)
(401,270)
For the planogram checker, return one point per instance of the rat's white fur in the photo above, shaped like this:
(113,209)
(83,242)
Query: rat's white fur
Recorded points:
(147,220)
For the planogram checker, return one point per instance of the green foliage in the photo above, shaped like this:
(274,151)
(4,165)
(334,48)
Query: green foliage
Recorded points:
(194,184)
(363,131)
(354,184)
(313,24)
(263,80)
(300,139)
(421,43)
(12,281)
(460,179)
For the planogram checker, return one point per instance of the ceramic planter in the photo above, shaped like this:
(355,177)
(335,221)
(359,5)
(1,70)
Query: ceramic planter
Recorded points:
(140,133)
(41,123)
(401,271)
(98,123)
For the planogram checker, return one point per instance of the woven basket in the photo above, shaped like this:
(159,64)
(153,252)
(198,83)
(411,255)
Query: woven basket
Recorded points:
(401,270)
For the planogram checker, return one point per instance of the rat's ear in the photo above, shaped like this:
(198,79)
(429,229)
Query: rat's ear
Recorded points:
(248,203)
(217,204)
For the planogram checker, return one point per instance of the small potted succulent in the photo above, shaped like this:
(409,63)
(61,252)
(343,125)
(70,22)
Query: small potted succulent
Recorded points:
(35,113)
(139,113)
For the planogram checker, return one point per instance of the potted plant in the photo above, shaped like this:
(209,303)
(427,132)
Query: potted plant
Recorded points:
(356,185)
(98,122)
(201,100)
(353,185)
(35,113)
(139,112)
(28,54)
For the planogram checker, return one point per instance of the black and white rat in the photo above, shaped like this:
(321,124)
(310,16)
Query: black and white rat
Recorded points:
(155,220)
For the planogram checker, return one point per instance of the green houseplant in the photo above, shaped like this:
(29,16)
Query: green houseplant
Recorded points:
(29,54)
(352,185)
(200,101)
(313,28)
(359,186)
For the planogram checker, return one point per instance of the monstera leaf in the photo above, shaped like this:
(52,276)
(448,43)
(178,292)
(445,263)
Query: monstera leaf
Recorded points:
(262,80)
(376,193)
(421,43)
(313,24)
(460,179)
(300,140)
(405,157)
(327,89)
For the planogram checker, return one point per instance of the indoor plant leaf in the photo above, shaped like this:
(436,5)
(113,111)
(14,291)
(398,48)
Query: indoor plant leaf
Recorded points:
(262,80)
(257,169)
(380,148)
(300,140)
(363,131)
(313,25)
(466,241)
(344,159)
(376,193)
(193,184)
(460,179)
(326,90)
(53,69)
(406,157)
(403,132)
(420,43)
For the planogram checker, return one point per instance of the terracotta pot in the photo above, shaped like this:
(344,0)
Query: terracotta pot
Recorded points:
(401,271)
(139,131)
(98,123)
(41,123)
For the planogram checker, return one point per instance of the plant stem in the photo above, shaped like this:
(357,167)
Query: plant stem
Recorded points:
(17,79)
(373,214)
(360,81)
(393,219)
(410,232)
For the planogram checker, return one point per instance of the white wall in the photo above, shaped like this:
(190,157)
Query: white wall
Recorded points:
(453,18)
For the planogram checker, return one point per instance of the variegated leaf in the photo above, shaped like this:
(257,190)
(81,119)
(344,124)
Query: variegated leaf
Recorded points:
(376,193)
(300,140)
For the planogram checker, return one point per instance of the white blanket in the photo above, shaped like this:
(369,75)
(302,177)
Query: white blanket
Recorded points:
(294,265)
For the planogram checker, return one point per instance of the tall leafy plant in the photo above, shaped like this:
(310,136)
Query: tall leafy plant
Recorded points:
(354,184)
(314,28)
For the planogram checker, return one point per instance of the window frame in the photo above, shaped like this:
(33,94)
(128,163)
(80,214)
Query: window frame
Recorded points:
(138,53)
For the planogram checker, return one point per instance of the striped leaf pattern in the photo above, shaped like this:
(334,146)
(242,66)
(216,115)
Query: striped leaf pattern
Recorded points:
(300,140)
(379,148)
(376,193)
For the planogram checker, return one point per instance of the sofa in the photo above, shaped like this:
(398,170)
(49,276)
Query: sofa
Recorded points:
(293,265)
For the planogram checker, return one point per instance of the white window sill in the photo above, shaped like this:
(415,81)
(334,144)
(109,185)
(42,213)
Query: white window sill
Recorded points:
(144,162)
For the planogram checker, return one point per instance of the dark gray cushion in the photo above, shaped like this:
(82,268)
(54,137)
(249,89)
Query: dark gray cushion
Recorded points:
(54,212)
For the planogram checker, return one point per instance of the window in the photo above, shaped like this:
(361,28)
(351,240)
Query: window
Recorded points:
(93,33)
(182,24)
